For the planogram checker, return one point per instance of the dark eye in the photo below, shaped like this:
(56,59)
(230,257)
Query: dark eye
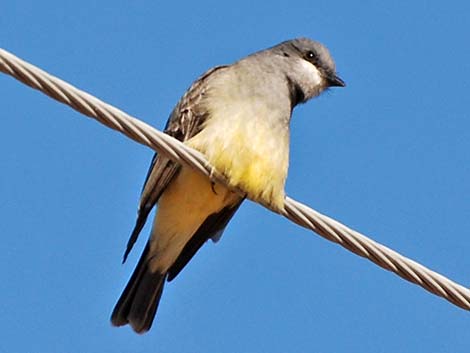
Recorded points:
(311,55)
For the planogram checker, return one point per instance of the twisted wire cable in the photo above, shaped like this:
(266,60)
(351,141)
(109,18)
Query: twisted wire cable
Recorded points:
(297,212)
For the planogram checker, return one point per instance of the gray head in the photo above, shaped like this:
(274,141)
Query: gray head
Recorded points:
(308,66)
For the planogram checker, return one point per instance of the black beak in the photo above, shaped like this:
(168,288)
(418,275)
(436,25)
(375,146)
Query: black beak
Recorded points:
(335,81)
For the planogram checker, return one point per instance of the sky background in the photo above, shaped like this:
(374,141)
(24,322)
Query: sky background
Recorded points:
(388,155)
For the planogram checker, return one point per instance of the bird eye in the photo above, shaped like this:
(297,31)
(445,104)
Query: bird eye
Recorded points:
(311,55)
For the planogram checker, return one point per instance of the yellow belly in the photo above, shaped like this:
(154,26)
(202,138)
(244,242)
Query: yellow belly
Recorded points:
(253,155)
(183,207)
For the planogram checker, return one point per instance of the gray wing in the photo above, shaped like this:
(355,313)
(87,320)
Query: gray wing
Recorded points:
(185,121)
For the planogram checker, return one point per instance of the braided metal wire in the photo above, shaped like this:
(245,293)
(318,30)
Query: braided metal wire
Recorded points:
(174,149)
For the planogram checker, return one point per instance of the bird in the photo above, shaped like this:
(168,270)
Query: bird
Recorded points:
(238,117)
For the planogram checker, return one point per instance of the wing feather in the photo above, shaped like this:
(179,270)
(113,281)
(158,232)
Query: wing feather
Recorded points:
(185,121)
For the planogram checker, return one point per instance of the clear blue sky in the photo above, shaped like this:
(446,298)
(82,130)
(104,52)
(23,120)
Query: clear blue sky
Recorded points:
(387,155)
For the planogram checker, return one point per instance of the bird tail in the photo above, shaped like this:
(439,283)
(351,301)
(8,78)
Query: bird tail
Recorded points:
(138,303)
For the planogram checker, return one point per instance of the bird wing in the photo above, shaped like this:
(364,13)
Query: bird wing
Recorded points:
(212,227)
(185,121)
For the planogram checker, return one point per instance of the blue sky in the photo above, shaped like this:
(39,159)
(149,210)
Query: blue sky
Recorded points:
(388,155)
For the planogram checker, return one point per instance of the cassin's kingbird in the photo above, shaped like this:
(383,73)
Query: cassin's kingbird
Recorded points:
(238,116)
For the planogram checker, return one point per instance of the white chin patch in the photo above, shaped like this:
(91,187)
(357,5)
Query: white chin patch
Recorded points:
(311,73)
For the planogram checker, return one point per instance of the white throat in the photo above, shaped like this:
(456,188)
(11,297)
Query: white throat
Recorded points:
(312,75)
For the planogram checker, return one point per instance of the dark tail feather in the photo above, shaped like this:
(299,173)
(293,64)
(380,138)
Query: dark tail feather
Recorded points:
(139,300)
